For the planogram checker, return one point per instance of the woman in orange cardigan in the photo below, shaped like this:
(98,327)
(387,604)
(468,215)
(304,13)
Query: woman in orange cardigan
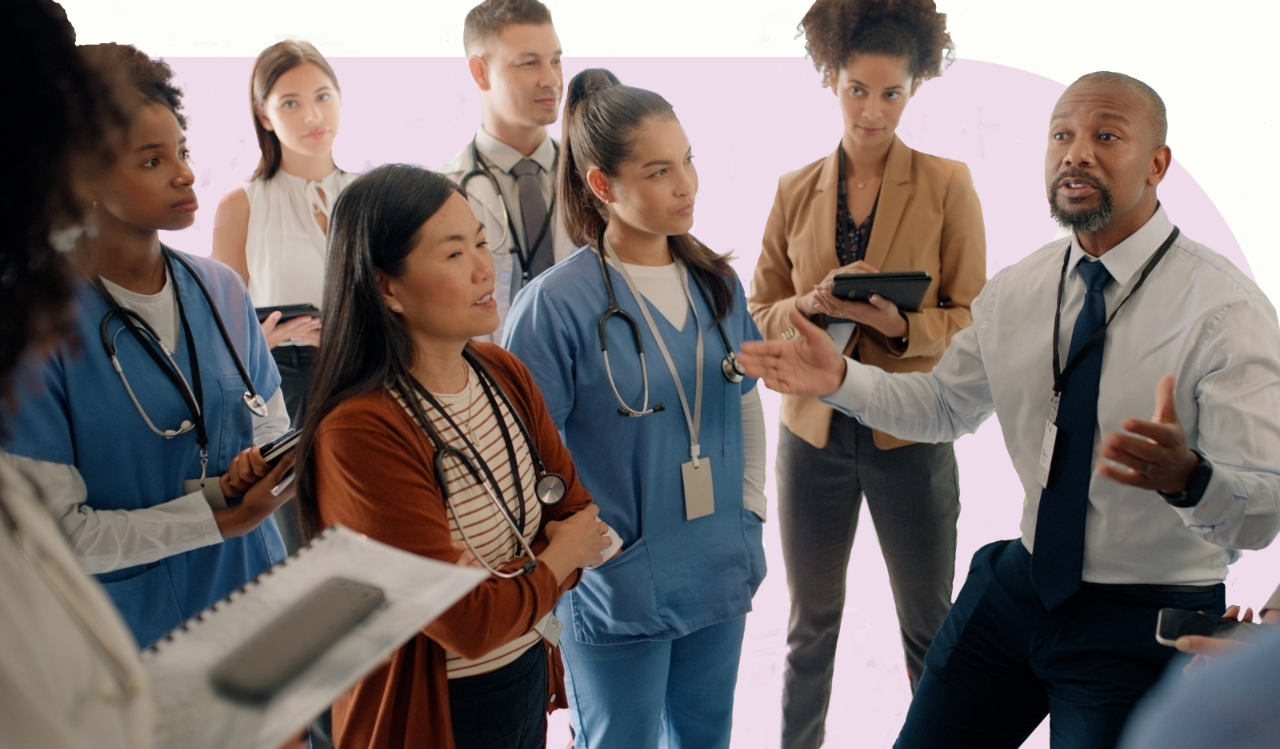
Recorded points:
(425,441)
(872,205)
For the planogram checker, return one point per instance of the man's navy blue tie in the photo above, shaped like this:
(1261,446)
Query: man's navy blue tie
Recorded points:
(1058,557)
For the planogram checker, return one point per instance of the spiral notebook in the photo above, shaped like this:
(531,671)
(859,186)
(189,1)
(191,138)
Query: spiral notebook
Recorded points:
(189,712)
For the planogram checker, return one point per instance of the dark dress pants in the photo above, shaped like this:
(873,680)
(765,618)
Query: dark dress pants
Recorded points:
(1001,662)
(914,497)
(503,709)
(295,364)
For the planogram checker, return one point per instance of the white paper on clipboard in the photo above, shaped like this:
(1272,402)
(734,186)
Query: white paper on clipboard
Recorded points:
(191,715)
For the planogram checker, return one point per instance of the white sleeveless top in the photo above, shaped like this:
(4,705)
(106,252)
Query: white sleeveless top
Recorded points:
(286,249)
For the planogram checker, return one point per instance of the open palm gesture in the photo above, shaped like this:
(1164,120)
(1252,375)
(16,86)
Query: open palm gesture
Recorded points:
(807,364)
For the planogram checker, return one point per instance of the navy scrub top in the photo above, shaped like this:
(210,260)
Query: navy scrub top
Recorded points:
(77,412)
(673,576)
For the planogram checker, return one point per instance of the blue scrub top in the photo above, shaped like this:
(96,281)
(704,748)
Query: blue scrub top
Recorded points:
(673,576)
(74,410)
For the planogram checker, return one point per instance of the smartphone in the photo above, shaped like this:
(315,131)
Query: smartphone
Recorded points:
(276,449)
(1175,623)
(266,663)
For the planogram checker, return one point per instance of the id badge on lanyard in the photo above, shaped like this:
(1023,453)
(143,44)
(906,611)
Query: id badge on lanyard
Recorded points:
(695,475)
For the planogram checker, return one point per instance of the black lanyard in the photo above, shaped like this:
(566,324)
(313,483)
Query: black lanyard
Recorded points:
(130,322)
(523,256)
(521,520)
(1059,374)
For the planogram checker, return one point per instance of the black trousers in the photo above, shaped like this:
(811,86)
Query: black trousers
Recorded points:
(503,709)
(1001,662)
(295,364)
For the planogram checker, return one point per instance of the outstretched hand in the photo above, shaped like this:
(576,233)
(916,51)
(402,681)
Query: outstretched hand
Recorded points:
(1151,454)
(807,364)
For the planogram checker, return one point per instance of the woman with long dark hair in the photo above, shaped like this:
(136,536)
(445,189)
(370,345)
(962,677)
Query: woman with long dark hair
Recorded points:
(427,441)
(273,229)
(873,204)
(140,431)
(631,341)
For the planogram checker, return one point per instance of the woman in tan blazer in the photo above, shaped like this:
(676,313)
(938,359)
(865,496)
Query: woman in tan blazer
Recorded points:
(872,205)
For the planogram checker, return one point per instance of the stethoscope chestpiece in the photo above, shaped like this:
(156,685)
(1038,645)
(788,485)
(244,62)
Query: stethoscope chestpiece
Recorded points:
(550,488)
(255,404)
(732,369)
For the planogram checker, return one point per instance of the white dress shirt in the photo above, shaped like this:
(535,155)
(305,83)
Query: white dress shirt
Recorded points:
(1197,317)
(107,540)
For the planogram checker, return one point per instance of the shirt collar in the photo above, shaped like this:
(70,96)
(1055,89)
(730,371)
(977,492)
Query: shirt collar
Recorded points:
(1127,258)
(505,157)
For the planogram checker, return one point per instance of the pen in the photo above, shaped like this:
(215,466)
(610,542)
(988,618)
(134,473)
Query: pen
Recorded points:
(280,487)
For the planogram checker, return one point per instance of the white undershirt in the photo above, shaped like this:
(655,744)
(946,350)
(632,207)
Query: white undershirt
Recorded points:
(660,284)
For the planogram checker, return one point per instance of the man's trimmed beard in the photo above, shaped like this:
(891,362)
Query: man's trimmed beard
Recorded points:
(1085,221)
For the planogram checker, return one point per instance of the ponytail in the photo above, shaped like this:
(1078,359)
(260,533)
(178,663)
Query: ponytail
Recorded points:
(601,120)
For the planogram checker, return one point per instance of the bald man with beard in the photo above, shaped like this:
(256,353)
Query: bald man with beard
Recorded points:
(1122,515)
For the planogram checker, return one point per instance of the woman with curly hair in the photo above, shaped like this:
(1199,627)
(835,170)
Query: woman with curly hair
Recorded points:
(69,670)
(872,205)
(139,433)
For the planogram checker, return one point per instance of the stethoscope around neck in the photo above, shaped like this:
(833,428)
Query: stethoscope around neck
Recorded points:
(549,487)
(730,367)
(192,392)
(480,168)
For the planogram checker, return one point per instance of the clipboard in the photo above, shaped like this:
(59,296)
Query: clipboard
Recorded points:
(192,713)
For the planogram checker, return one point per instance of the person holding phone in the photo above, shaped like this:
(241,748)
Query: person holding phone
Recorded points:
(140,434)
(632,342)
(429,441)
(273,230)
(872,205)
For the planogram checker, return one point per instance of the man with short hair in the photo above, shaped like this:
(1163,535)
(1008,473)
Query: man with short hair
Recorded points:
(508,169)
(1122,516)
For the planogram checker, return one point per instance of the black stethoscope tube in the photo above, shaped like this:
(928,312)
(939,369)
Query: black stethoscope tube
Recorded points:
(480,168)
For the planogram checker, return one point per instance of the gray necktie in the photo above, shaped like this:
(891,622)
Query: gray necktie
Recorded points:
(533,211)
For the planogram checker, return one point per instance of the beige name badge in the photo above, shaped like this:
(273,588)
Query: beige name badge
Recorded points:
(699,492)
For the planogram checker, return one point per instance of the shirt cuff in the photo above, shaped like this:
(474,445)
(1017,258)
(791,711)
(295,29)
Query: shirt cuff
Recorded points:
(854,394)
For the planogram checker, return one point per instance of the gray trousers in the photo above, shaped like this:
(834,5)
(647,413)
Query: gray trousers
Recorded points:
(913,493)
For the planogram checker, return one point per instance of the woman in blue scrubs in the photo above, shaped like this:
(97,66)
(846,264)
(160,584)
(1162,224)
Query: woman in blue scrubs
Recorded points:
(119,454)
(663,428)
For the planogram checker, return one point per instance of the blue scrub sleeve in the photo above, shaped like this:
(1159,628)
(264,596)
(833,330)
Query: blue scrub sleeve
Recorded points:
(537,334)
(36,424)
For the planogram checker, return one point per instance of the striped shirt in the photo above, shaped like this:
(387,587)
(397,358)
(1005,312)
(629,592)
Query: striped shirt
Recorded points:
(474,507)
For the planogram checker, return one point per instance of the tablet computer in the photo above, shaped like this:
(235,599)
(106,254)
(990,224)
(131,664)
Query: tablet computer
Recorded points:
(905,289)
(287,312)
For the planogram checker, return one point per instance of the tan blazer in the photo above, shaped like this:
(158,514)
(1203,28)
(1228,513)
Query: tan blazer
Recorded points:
(928,219)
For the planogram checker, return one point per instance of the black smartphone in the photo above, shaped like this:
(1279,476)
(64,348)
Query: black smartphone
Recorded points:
(277,448)
(287,312)
(266,663)
(1175,623)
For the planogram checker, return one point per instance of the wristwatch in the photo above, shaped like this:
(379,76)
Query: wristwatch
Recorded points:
(1197,482)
